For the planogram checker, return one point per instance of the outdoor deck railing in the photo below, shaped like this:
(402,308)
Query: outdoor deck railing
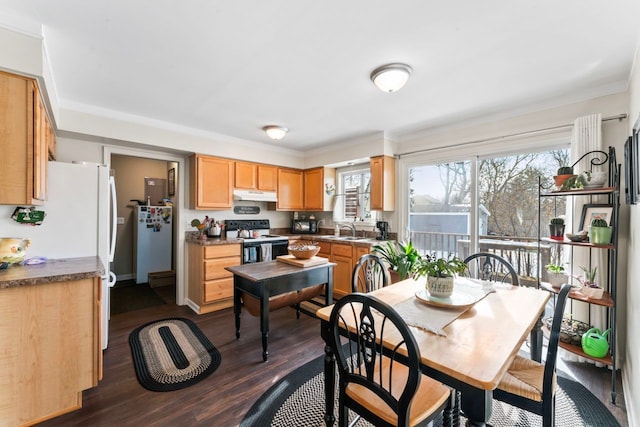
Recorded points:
(521,252)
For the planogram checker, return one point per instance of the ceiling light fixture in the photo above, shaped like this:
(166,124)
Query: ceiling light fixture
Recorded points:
(275,132)
(391,77)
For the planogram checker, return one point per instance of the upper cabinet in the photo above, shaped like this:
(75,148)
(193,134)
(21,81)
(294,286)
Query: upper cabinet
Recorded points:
(383,173)
(26,139)
(316,183)
(290,190)
(253,176)
(211,182)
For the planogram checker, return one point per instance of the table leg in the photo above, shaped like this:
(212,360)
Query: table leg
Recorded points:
(264,324)
(477,406)
(536,341)
(329,377)
(237,306)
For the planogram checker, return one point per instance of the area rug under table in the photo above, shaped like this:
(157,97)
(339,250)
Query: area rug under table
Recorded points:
(298,400)
(171,354)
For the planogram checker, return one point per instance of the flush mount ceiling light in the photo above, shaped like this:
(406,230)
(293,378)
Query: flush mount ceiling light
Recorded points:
(391,77)
(275,132)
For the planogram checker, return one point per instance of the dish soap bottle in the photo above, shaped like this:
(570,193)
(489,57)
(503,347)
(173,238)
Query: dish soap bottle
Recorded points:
(337,231)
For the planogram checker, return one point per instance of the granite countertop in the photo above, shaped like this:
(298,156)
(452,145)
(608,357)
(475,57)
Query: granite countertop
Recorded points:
(54,270)
(192,238)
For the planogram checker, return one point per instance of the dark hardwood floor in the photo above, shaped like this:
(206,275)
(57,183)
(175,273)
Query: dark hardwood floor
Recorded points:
(223,398)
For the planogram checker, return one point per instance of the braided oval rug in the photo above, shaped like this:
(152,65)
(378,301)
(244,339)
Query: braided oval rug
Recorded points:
(172,354)
(298,400)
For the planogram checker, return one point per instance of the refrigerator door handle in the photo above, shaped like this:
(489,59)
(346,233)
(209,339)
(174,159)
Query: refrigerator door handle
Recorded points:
(114,219)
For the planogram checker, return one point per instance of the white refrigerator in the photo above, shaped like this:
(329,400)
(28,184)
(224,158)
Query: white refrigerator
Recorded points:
(80,221)
(153,240)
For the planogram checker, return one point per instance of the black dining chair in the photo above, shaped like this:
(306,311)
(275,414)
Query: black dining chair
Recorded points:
(491,267)
(385,389)
(531,385)
(369,274)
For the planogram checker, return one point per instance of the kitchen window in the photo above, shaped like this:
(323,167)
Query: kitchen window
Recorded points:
(353,198)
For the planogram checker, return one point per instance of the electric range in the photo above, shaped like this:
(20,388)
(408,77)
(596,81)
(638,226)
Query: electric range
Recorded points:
(260,245)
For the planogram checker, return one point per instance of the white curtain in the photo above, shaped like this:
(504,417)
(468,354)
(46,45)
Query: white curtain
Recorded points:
(586,137)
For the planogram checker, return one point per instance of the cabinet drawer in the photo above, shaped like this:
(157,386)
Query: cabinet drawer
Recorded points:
(341,250)
(325,248)
(220,251)
(214,268)
(215,290)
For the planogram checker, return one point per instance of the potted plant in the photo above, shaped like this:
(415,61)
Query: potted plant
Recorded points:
(563,174)
(589,286)
(440,273)
(556,228)
(402,258)
(594,179)
(557,275)
(600,232)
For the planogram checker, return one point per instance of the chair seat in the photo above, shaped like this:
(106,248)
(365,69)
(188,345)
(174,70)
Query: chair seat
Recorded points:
(524,378)
(430,395)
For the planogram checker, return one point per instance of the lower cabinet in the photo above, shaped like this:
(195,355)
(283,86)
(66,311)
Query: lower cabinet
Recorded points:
(210,285)
(50,349)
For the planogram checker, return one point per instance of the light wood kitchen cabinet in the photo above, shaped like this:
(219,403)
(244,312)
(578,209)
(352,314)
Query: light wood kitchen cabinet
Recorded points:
(290,190)
(210,285)
(50,348)
(26,136)
(342,255)
(246,175)
(211,185)
(383,172)
(267,178)
(254,176)
(315,196)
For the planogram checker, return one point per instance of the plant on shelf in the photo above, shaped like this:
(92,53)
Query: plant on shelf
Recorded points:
(402,258)
(557,275)
(563,174)
(574,182)
(600,232)
(556,228)
(440,273)
(589,286)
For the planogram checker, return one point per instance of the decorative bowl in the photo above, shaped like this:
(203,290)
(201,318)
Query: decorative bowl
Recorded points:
(578,237)
(304,251)
(12,250)
(597,179)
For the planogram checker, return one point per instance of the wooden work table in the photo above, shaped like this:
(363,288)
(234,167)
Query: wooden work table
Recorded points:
(477,349)
(264,280)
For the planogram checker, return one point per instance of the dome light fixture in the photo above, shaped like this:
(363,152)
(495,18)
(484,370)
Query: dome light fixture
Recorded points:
(391,77)
(275,132)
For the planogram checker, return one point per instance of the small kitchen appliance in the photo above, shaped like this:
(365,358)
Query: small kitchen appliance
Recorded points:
(257,244)
(383,226)
(304,226)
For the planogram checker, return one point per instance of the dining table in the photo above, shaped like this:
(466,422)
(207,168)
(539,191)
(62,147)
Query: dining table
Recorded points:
(466,343)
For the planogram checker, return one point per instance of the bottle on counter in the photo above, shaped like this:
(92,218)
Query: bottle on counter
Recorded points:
(336,232)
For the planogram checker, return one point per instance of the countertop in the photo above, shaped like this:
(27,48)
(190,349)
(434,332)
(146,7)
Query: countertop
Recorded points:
(328,238)
(54,270)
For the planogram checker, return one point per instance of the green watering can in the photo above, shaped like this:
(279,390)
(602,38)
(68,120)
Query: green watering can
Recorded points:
(594,342)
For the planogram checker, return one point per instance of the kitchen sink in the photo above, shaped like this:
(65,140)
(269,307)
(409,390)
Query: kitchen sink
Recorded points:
(348,238)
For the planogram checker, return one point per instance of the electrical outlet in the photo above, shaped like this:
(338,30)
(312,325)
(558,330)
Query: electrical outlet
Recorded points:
(120,220)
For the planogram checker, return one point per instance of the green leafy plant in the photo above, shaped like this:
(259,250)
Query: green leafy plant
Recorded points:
(555,268)
(402,257)
(599,222)
(590,277)
(575,182)
(439,267)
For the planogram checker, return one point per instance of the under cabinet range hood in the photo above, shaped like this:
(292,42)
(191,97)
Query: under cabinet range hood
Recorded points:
(255,195)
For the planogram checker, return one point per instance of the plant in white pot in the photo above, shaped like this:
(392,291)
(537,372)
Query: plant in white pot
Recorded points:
(600,232)
(440,273)
(589,286)
(557,275)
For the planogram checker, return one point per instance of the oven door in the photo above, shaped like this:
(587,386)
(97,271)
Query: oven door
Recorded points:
(279,247)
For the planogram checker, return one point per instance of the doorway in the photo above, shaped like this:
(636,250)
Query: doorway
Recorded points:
(133,171)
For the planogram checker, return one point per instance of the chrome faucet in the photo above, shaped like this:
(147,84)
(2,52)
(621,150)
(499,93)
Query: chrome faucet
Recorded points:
(350,226)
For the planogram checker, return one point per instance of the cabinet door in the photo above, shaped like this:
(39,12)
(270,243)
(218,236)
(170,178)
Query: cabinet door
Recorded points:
(382,183)
(211,183)
(313,191)
(246,175)
(267,178)
(342,255)
(290,190)
(41,135)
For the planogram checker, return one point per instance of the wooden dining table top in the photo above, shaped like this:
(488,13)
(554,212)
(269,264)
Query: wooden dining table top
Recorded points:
(480,344)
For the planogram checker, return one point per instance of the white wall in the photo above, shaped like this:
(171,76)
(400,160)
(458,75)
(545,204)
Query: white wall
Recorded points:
(631,367)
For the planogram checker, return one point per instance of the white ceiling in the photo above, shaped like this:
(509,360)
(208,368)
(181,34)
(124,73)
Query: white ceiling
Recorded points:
(231,67)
